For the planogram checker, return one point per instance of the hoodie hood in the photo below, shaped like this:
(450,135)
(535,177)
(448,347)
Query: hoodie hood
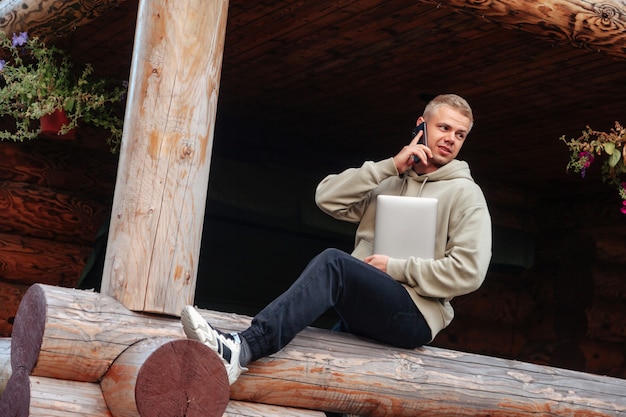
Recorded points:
(455,169)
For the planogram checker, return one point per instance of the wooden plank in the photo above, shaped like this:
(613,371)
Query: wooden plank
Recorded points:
(158,209)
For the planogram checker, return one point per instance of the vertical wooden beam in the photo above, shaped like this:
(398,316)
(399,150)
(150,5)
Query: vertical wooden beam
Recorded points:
(160,196)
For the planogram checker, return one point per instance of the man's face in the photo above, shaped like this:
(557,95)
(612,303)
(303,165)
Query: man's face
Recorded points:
(447,129)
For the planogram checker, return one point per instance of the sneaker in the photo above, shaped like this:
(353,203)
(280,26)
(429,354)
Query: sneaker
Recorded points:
(226,345)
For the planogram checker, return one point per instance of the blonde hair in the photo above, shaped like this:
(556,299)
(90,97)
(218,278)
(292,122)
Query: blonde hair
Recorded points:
(454,101)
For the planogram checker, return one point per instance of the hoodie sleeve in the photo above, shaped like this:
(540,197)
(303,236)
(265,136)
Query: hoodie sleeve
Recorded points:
(464,265)
(345,196)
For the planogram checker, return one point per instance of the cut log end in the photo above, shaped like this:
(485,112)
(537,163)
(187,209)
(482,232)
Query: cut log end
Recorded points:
(15,400)
(28,329)
(184,376)
(167,377)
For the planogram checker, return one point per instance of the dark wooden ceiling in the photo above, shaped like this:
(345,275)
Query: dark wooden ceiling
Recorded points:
(326,84)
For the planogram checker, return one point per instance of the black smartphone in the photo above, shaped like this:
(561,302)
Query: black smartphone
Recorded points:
(423,140)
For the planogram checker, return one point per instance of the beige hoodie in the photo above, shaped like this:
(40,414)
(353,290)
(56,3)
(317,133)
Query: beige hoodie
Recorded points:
(463,243)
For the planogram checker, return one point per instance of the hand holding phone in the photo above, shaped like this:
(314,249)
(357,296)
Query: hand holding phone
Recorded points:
(423,140)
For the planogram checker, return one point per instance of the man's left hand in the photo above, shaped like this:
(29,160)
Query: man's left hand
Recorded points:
(377,261)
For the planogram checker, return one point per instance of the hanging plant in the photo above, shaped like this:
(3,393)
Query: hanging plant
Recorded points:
(609,148)
(37,80)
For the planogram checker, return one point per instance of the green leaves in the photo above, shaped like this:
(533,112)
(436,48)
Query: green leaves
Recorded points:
(36,80)
(611,144)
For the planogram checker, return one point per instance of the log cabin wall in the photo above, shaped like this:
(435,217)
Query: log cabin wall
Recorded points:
(567,309)
(55,196)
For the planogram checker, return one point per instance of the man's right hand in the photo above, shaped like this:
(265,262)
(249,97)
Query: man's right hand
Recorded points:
(404,159)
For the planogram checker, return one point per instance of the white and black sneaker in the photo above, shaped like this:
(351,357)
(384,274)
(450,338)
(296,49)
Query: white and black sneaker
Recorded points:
(226,345)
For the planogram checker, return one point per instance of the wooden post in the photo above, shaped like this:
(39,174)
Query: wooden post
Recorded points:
(160,196)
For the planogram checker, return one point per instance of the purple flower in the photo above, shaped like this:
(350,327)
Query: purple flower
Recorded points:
(19,40)
(586,158)
(623,209)
(2,64)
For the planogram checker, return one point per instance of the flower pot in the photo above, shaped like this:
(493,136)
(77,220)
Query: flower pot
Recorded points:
(51,125)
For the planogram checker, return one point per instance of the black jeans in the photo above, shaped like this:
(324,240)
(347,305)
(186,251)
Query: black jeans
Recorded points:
(368,301)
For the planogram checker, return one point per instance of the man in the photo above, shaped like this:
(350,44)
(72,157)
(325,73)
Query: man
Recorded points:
(402,302)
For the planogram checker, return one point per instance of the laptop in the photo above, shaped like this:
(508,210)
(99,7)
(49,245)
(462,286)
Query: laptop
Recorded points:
(405,226)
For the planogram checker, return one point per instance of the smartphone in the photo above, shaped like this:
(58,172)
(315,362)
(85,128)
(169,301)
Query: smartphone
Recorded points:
(423,140)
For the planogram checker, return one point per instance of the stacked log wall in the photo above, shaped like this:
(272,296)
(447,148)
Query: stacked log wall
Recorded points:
(55,195)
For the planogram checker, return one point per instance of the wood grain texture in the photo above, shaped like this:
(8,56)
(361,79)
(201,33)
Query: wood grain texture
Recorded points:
(10,296)
(85,332)
(39,212)
(5,362)
(73,334)
(50,18)
(249,409)
(338,372)
(31,396)
(60,167)
(27,261)
(169,377)
(597,25)
(158,208)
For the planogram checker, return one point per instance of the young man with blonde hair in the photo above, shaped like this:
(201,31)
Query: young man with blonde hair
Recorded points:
(401,302)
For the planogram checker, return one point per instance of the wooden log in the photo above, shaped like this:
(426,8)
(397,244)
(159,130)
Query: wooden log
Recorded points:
(596,25)
(28,260)
(249,409)
(16,396)
(160,195)
(609,282)
(5,363)
(31,396)
(29,210)
(481,336)
(341,373)
(50,18)
(10,297)
(495,302)
(74,334)
(167,377)
(610,243)
(85,333)
(59,166)
(607,320)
